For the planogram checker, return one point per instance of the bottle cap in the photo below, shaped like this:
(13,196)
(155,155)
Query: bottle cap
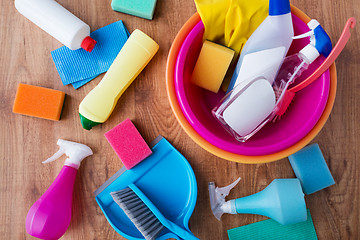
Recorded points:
(310,53)
(88,44)
(279,7)
(87,123)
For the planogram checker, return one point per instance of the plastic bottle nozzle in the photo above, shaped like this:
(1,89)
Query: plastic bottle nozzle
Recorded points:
(88,44)
(217,199)
(75,152)
(320,42)
(87,123)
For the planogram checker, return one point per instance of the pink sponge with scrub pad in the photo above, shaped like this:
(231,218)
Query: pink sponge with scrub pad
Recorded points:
(211,66)
(128,143)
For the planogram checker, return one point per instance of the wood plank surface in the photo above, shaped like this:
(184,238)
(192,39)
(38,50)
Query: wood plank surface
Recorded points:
(27,141)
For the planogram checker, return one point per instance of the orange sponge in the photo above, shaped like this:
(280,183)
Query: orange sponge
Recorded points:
(38,102)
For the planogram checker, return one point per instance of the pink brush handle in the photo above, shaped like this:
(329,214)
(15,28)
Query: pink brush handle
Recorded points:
(351,22)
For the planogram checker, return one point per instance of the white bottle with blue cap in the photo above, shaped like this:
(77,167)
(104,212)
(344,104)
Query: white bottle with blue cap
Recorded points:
(257,100)
(267,46)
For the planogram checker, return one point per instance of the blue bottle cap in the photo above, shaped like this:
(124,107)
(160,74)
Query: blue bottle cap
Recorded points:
(322,41)
(279,7)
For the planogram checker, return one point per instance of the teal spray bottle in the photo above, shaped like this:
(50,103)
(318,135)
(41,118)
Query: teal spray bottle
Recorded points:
(282,200)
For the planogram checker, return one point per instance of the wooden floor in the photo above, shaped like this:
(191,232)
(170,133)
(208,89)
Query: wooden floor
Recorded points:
(26,141)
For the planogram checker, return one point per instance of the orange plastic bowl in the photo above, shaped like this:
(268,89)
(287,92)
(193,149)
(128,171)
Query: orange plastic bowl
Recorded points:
(188,26)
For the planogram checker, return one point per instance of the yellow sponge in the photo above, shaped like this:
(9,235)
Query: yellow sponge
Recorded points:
(211,66)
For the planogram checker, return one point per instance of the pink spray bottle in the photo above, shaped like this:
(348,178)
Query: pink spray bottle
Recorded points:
(50,215)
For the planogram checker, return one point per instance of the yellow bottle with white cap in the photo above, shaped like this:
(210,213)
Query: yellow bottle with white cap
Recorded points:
(136,53)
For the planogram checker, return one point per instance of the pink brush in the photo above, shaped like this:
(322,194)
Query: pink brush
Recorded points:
(50,215)
(289,94)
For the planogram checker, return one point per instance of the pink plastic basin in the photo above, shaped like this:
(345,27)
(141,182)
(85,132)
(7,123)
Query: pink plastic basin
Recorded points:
(196,103)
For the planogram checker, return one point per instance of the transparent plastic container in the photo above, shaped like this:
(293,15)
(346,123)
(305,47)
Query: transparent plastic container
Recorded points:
(255,102)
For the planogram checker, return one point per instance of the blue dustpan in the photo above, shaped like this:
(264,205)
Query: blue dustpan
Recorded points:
(167,180)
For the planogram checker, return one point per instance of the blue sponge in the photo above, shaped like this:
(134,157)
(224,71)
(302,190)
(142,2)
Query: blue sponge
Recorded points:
(310,168)
(140,8)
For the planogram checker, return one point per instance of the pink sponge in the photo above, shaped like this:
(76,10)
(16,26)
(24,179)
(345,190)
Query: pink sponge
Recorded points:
(128,143)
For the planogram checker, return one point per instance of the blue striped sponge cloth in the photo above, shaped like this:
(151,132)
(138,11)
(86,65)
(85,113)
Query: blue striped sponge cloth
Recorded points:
(79,67)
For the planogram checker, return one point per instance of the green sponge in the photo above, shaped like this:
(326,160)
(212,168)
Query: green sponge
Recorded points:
(139,8)
(272,230)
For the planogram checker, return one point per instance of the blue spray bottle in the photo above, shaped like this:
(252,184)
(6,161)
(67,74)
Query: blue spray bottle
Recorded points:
(294,65)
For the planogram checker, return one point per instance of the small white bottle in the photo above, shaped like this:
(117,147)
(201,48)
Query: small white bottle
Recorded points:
(58,22)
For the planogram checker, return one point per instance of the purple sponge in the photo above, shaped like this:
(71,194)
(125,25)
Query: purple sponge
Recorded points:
(128,143)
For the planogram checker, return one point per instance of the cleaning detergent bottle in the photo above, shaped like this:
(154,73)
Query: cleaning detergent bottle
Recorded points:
(283,201)
(99,103)
(58,22)
(50,215)
(267,46)
(258,100)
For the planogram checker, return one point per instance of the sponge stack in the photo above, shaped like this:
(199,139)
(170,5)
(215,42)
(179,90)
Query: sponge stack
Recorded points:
(140,8)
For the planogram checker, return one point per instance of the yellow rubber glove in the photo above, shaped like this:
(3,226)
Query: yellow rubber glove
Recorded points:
(231,22)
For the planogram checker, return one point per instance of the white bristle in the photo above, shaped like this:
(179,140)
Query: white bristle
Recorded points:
(137,211)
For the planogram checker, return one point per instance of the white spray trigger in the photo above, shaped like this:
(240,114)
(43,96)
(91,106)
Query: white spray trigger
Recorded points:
(55,156)
(304,35)
(224,191)
(312,24)
(75,152)
(217,197)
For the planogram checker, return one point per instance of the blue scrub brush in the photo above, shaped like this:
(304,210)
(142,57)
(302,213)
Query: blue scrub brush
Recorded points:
(145,216)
